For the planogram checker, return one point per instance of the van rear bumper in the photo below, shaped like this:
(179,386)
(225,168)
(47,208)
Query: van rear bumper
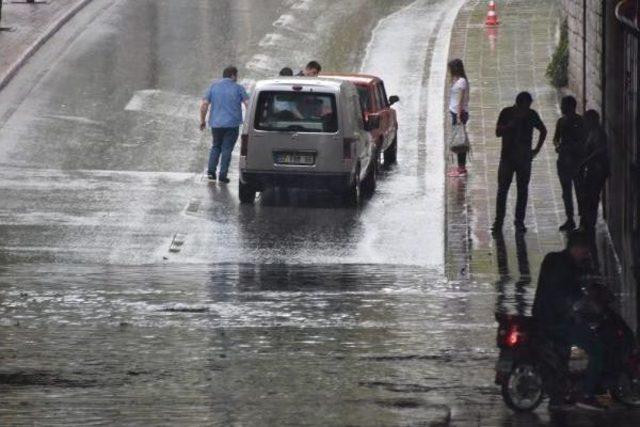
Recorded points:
(260,180)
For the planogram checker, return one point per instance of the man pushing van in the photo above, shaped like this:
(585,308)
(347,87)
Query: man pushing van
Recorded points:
(223,102)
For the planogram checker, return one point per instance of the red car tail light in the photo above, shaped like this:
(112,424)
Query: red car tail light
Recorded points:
(244,144)
(347,148)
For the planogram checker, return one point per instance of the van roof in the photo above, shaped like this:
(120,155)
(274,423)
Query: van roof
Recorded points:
(357,78)
(280,83)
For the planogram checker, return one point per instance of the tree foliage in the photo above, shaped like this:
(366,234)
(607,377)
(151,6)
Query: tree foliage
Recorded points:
(558,68)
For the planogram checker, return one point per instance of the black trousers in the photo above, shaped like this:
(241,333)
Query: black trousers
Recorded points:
(522,170)
(570,181)
(462,157)
(591,189)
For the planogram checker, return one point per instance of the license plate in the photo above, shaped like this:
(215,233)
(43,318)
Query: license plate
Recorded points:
(295,159)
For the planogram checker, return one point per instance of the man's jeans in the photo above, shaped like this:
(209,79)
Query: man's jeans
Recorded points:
(507,168)
(224,140)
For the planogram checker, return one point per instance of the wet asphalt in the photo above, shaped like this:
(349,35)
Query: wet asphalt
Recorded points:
(134,292)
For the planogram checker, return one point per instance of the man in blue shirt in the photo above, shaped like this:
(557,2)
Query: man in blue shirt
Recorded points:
(223,101)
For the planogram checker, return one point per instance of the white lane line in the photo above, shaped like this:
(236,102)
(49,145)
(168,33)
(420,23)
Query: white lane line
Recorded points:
(165,103)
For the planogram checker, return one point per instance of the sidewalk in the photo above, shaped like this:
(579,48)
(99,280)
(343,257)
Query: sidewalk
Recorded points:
(31,25)
(500,65)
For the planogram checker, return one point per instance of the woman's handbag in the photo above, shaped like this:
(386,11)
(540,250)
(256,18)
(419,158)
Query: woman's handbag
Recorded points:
(459,142)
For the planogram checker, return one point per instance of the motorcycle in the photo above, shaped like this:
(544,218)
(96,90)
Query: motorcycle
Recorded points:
(528,363)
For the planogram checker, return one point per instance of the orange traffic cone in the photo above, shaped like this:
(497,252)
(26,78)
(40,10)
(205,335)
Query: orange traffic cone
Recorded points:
(492,15)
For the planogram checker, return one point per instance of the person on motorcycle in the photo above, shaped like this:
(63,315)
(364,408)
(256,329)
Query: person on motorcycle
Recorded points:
(557,292)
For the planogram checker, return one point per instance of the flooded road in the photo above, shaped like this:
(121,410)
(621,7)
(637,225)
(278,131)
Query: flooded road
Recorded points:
(134,292)
(237,344)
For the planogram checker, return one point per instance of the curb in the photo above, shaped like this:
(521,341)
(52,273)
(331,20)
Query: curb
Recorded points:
(31,50)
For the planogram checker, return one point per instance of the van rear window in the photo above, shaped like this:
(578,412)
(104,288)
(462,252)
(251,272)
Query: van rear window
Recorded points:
(296,112)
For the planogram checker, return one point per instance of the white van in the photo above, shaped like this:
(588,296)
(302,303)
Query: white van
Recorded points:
(302,132)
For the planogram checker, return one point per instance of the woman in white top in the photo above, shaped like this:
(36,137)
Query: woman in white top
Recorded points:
(459,107)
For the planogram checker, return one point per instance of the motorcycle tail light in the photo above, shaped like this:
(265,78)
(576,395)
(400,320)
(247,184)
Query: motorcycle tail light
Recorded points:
(513,337)
(244,144)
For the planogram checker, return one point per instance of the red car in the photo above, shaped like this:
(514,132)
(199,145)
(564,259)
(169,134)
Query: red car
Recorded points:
(377,111)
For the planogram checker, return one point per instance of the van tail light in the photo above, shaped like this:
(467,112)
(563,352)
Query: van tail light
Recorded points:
(244,144)
(347,148)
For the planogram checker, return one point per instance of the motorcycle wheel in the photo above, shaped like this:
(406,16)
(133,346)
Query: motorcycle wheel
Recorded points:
(523,389)
(627,390)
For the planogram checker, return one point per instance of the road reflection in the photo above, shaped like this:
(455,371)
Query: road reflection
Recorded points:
(520,286)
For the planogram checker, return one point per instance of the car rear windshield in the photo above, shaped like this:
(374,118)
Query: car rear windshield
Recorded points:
(296,112)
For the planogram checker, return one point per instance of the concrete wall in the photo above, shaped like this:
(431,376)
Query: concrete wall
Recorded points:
(589,93)
(612,55)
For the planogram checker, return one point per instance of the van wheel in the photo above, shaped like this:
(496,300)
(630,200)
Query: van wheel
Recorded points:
(247,193)
(352,194)
(369,183)
(391,153)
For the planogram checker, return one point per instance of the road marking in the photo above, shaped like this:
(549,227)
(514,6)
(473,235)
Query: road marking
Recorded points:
(76,119)
(165,103)
(270,39)
(296,24)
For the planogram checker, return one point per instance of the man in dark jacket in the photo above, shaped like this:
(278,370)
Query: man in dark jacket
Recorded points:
(515,126)
(558,290)
(569,140)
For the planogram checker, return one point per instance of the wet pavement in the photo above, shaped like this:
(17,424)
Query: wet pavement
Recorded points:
(501,62)
(25,27)
(134,292)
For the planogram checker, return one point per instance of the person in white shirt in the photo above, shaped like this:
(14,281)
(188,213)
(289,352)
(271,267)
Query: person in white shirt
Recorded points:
(459,107)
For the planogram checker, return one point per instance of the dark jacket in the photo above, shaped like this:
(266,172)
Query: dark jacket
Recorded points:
(558,288)
(596,162)
(571,135)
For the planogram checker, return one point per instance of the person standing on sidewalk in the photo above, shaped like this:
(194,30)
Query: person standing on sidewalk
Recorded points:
(223,101)
(569,141)
(459,107)
(515,127)
(594,170)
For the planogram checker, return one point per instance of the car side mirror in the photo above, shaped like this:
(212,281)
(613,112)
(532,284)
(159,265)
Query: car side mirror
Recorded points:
(373,122)
(393,99)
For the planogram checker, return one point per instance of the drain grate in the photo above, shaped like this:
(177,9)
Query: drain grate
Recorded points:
(177,242)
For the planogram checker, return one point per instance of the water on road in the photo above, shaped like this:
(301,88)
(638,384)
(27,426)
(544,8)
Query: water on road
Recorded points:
(134,292)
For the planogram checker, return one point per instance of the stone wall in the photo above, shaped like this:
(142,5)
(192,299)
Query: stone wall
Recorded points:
(574,11)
